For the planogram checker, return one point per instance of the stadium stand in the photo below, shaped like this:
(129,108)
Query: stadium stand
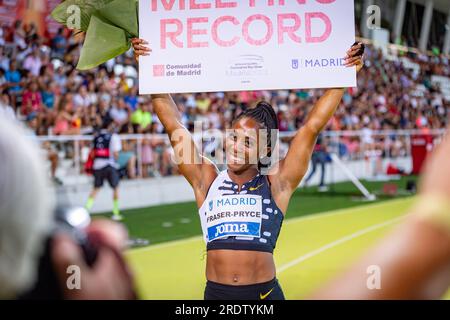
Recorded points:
(42,89)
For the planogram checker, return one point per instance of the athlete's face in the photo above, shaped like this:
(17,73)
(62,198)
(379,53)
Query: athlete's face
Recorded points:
(241,145)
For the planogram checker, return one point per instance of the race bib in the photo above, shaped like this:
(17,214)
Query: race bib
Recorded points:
(237,215)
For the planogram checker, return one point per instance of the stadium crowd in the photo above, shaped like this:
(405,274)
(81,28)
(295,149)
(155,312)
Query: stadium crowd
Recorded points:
(40,86)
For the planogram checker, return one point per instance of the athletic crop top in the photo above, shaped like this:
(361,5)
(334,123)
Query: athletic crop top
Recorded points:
(245,220)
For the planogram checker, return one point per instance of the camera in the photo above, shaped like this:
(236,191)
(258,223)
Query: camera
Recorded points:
(70,221)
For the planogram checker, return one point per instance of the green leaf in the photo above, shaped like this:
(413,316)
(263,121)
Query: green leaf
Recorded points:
(109,25)
(65,12)
(103,42)
(122,13)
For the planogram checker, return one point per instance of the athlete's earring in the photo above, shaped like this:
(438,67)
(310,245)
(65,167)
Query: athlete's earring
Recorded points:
(264,165)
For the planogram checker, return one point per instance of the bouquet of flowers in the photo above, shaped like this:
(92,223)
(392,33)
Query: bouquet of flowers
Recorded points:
(109,26)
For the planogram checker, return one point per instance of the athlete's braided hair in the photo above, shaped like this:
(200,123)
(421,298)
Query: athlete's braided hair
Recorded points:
(264,114)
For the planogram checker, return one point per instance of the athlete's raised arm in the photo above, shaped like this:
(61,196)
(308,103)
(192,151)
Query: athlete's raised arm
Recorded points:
(198,170)
(294,166)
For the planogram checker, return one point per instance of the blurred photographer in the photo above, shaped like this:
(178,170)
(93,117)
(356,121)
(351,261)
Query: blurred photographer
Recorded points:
(39,243)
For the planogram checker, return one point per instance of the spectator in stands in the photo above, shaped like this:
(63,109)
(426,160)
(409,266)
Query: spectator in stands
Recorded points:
(13,78)
(319,158)
(4,59)
(48,94)
(33,62)
(2,79)
(147,156)
(131,98)
(2,37)
(141,119)
(120,114)
(82,99)
(59,44)
(32,100)
(123,85)
(6,110)
(19,35)
(68,121)
(127,161)
(60,78)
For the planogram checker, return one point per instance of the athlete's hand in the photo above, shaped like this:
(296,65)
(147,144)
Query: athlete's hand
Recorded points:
(355,56)
(140,48)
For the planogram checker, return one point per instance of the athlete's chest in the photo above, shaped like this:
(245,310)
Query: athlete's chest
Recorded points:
(244,211)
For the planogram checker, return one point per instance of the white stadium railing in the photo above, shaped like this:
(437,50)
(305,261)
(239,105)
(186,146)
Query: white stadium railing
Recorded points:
(365,145)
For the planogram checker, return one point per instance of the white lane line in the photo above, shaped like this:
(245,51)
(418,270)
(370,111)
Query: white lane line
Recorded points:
(167,225)
(336,243)
(166,244)
(288,221)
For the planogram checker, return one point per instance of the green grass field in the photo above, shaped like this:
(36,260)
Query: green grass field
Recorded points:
(323,233)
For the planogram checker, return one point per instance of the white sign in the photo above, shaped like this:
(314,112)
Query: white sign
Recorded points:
(238,215)
(225,45)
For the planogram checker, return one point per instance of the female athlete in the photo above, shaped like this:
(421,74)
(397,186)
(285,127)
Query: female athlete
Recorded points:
(242,210)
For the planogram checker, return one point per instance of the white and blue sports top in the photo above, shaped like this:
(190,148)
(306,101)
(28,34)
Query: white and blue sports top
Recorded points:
(247,219)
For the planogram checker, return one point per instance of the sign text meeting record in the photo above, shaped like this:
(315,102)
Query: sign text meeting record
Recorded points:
(224,45)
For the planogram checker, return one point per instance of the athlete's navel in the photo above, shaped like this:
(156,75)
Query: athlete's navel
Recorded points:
(235,279)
